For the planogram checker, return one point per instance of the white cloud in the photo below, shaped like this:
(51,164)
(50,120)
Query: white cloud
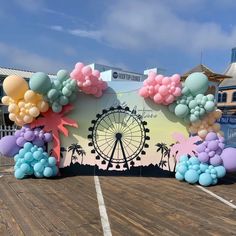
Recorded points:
(56,27)
(92,34)
(28,60)
(30,5)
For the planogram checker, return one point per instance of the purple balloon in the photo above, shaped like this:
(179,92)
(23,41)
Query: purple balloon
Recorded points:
(222,145)
(211,154)
(29,136)
(211,136)
(36,133)
(20,141)
(213,145)
(219,151)
(207,150)
(47,137)
(41,135)
(228,157)
(17,133)
(203,157)
(8,146)
(38,142)
(216,160)
(201,148)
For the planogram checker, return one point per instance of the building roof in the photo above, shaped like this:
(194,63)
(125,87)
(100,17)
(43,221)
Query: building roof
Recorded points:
(230,71)
(208,72)
(23,73)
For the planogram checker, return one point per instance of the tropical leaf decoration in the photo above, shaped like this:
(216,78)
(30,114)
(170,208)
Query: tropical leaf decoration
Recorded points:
(55,123)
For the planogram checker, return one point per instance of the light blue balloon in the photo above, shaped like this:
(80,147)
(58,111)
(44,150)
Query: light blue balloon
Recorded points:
(205,179)
(19,174)
(203,167)
(31,171)
(214,181)
(221,172)
(191,176)
(28,157)
(38,174)
(22,152)
(55,170)
(178,176)
(213,171)
(194,160)
(182,169)
(28,146)
(181,110)
(213,176)
(44,162)
(38,167)
(40,83)
(25,168)
(48,172)
(52,161)
(197,83)
(183,158)
(196,167)
(16,157)
(37,155)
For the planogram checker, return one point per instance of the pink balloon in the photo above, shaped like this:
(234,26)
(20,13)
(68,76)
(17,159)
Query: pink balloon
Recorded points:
(158,98)
(143,92)
(169,99)
(163,90)
(96,73)
(175,78)
(151,90)
(151,75)
(79,66)
(177,92)
(87,70)
(159,78)
(156,88)
(166,81)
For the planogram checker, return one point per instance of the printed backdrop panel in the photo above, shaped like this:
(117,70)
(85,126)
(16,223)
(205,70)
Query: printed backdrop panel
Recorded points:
(120,131)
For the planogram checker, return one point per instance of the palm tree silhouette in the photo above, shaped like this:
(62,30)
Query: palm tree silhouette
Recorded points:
(161,148)
(75,148)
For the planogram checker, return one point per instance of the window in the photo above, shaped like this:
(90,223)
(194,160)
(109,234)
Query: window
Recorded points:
(219,97)
(224,97)
(234,97)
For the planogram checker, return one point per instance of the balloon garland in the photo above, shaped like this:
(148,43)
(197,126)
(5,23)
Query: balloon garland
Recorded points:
(44,102)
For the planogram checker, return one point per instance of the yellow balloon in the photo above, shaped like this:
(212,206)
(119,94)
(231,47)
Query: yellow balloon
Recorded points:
(216,127)
(42,106)
(34,111)
(15,86)
(21,104)
(5,100)
(13,108)
(202,133)
(218,114)
(30,96)
(12,117)
(22,114)
(27,119)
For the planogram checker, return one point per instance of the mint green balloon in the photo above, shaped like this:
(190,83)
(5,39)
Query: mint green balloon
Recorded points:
(62,75)
(66,92)
(40,83)
(56,107)
(185,91)
(192,104)
(57,84)
(53,94)
(197,83)
(199,96)
(210,97)
(209,106)
(181,110)
(193,118)
(63,100)
(171,107)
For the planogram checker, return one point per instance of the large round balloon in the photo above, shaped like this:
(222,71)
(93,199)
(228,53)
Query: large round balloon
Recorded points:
(15,86)
(197,83)
(40,82)
(228,157)
(8,146)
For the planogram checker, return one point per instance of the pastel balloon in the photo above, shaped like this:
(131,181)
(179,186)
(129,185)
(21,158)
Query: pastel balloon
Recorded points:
(205,179)
(191,176)
(34,111)
(42,106)
(216,160)
(197,83)
(5,100)
(8,146)
(30,96)
(62,75)
(181,110)
(40,83)
(228,157)
(203,157)
(15,86)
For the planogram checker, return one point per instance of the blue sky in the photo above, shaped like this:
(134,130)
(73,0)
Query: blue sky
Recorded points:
(133,34)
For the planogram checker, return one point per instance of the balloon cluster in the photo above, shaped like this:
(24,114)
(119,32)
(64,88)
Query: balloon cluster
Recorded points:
(88,80)
(192,171)
(37,136)
(32,160)
(24,105)
(163,90)
(57,93)
(210,150)
(207,124)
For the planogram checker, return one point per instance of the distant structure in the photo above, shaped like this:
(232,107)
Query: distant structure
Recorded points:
(227,89)
(109,73)
(214,78)
(4,72)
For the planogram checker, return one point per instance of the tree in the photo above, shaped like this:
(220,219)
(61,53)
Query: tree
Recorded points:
(75,148)
(161,148)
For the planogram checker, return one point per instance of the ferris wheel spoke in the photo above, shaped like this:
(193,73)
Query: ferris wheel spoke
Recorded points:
(130,125)
(105,143)
(109,125)
(105,139)
(106,129)
(128,145)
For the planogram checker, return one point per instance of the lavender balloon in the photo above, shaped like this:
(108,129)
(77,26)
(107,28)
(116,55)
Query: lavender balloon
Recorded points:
(228,157)
(47,137)
(8,146)
(20,141)
(29,135)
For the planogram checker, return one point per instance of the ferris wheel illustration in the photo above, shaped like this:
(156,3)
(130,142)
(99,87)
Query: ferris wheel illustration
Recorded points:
(118,137)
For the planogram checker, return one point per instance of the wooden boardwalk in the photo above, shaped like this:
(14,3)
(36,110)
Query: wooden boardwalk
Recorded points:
(135,206)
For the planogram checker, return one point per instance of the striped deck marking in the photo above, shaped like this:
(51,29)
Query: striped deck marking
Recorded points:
(217,197)
(102,208)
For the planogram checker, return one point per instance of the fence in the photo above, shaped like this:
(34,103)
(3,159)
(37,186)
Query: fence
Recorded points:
(6,163)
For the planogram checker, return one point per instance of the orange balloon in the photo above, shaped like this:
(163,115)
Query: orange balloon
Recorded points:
(30,96)
(12,117)
(15,86)
(42,106)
